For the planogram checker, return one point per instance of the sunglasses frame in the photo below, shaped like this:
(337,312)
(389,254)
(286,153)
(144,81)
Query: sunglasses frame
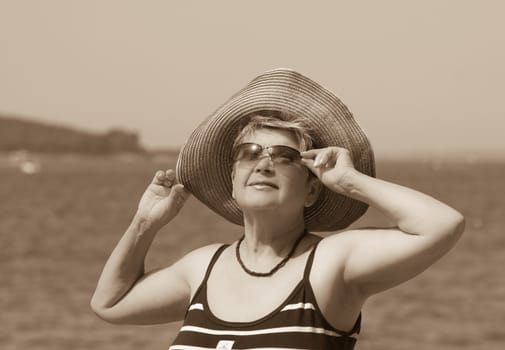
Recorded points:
(266,151)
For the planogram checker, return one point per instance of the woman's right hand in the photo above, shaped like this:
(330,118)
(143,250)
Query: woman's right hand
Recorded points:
(161,201)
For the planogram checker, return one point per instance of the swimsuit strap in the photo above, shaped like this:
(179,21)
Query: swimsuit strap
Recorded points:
(213,261)
(308,264)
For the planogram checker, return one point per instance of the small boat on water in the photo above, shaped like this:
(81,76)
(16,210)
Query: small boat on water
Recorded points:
(24,161)
(30,167)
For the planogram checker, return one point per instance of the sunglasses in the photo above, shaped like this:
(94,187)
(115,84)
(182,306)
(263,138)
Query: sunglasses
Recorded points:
(250,153)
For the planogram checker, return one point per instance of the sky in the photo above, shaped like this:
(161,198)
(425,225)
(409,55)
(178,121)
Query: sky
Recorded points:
(423,78)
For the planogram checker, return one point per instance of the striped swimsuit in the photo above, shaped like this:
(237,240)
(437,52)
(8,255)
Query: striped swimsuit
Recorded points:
(296,324)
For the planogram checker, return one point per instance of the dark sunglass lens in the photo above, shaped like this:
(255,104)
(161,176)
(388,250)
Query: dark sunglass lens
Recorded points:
(285,154)
(247,151)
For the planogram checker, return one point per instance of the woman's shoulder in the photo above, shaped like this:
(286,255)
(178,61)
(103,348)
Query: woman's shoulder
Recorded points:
(204,251)
(200,258)
(331,253)
(196,262)
(346,237)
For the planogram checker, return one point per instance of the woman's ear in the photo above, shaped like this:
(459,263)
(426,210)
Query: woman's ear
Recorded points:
(315,187)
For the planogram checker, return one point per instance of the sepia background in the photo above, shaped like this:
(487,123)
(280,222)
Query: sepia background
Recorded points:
(97,95)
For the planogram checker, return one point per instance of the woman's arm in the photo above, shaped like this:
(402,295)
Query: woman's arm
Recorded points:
(378,259)
(124,289)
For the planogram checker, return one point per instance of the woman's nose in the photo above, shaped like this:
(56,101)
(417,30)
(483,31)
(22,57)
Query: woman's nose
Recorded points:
(264,165)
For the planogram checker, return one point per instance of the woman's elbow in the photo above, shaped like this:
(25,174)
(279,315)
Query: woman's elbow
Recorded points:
(460,225)
(107,315)
(447,234)
(103,312)
(98,309)
(454,227)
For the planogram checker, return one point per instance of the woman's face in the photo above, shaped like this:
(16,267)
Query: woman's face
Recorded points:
(264,184)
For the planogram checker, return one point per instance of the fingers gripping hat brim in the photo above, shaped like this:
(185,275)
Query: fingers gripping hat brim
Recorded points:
(204,165)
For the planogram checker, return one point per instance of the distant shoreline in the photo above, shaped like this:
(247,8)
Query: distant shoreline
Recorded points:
(169,155)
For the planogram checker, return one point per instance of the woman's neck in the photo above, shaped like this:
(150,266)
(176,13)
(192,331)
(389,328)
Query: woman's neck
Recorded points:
(270,236)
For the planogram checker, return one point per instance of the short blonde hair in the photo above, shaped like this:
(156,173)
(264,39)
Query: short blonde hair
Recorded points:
(279,121)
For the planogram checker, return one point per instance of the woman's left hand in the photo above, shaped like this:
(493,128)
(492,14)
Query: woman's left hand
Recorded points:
(332,165)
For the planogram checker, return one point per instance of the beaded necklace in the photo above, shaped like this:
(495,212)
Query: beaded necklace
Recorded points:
(276,267)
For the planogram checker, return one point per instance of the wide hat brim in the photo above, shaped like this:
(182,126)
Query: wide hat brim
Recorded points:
(204,164)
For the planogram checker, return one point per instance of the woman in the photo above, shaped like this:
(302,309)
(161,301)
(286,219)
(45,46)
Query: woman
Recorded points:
(283,156)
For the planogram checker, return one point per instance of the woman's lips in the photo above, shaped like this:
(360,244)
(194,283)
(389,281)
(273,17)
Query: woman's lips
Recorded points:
(263,184)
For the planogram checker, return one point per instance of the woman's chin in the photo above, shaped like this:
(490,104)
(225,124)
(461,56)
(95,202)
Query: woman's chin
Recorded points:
(260,203)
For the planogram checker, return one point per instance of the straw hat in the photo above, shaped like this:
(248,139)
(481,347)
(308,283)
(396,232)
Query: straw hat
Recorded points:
(204,164)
